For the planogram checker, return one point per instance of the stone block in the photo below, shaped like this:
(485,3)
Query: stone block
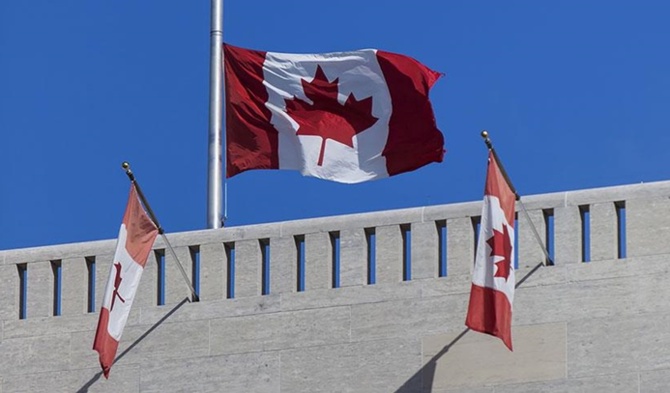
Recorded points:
(388,251)
(74,289)
(530,252)
(103,264)
(350,295)
(121,379)
(147,290)
(603,230)
(40,297)
(31,355)
(478,359)
(567,235)
(616,345)
(368,367)
(211,309)
(353,257)
(460,246)
(654,381)
(616,383)
(143,343)
(176,287)
(213,272)
(407,318)
(248,263)
(648,226)
(269,332)
(283,265)
(318,261)
(425,250)
(9,292)
(49,326)
(252,372)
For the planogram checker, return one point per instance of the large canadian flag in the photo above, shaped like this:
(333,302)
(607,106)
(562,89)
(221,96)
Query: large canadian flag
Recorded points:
(492,291)
(346,116)
(136,237)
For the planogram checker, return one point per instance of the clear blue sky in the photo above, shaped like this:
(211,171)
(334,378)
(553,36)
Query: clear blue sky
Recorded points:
(574,93)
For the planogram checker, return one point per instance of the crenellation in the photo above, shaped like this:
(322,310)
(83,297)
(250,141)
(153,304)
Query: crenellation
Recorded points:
(360,337)
(389,256)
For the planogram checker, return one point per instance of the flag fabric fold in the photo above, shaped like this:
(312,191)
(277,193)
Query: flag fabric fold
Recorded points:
(136,238)
(492,290)
(347,116)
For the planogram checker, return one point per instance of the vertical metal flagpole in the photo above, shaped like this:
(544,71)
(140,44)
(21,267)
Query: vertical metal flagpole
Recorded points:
(214,170)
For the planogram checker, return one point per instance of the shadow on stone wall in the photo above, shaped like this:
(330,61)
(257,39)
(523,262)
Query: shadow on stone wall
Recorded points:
(422,380)
(96,377)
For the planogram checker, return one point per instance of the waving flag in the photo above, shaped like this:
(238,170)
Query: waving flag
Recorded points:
(136,237)
(492,291)
(346,116)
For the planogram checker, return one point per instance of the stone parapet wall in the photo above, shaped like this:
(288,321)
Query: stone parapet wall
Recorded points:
(578,326)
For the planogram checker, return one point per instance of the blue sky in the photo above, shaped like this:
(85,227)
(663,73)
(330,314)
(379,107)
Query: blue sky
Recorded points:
(575,95)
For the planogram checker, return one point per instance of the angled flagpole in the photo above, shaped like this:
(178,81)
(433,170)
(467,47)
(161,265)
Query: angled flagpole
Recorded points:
(215,218)
(489,144)
(126,167)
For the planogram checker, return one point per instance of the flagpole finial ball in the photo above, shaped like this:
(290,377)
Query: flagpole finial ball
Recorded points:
(485,134)
(125,165)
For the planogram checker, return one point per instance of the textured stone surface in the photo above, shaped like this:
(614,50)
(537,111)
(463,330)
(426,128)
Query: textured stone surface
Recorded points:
(283,265)
(388,247)
(48,326)
(351,295)
(318,261)
(603,231)
(371,367)
(147,290)
(656,381)
(211,310)
(253,372)
(425,246)
(74,281)
(407,318)
(9,292)
(31,355)
(567,235)
(648,226)
(176,286)
(123,379)
(142,343)
(40,290)
(530,252)
(353,257)
(247,268)
(627,343)
(213,272)
(460,246)
(279,331)
(478,359)
(615,383)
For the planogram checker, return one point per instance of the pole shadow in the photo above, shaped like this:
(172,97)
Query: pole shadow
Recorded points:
(96,377)
(422,380)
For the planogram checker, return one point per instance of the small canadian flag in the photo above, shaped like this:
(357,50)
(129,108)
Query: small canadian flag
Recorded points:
(492,291)
(348,117)
(136,237)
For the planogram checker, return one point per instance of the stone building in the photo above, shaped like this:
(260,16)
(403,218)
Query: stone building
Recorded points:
(367,303)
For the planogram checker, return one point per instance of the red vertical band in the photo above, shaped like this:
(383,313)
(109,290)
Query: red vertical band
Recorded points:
(251,140)
(413,139)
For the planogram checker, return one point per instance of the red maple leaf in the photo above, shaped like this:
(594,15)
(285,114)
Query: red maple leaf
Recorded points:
(326,117)
(501,246)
